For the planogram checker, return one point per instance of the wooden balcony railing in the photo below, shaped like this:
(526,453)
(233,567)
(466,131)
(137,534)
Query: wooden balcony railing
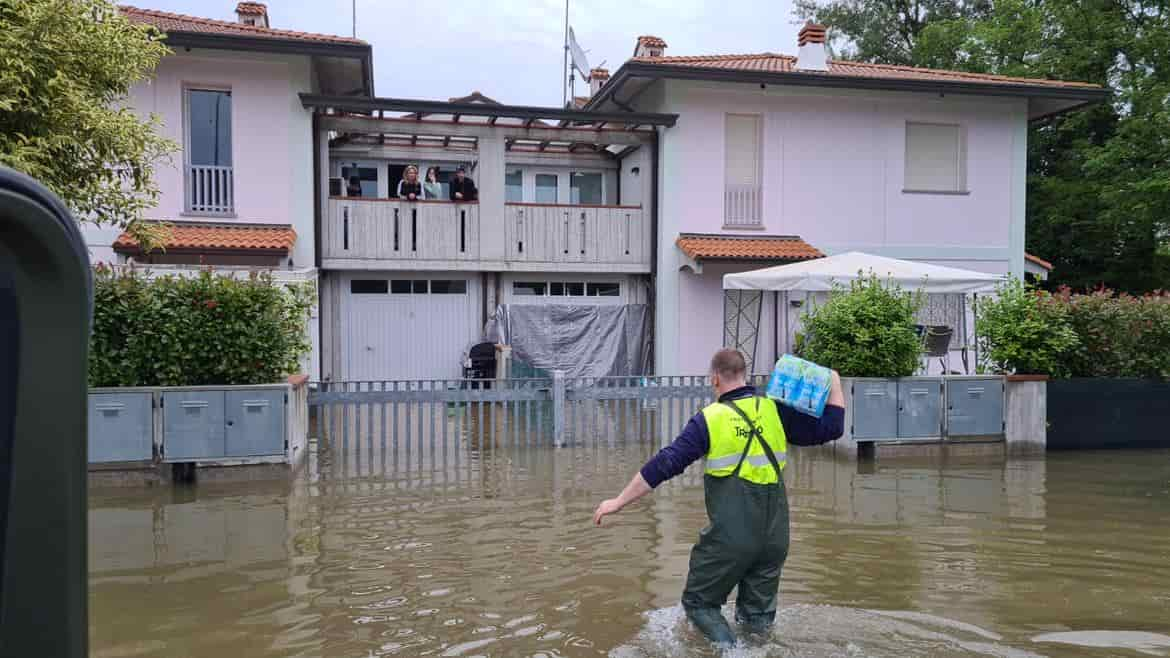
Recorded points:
(557,233)
(391,229)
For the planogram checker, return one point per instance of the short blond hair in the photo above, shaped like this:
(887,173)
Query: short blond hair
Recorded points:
(729,364)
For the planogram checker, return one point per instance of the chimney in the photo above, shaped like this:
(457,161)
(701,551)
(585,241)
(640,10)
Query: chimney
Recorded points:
(812,55)
(252,13)
(597,79)
(649,46)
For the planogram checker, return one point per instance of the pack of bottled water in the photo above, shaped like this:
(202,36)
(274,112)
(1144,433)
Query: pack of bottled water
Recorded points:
(800,384)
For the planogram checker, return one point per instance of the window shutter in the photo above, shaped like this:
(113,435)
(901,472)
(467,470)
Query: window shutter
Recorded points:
(935,158)
(742,148)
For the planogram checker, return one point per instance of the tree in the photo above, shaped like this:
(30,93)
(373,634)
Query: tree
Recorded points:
(1098,179)
(883,31)
(66,67)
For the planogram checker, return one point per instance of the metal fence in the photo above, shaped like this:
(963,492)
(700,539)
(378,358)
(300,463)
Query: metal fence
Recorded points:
(370,427)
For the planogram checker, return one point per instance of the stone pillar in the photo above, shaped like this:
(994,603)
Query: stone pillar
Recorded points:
(1026,414)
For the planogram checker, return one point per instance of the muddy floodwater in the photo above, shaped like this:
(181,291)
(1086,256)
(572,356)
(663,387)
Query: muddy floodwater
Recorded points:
(1063,556)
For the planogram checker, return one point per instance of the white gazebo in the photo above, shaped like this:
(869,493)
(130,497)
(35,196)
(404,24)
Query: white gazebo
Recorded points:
(797,284)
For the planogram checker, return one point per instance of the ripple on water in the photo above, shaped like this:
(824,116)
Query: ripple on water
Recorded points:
(821,630)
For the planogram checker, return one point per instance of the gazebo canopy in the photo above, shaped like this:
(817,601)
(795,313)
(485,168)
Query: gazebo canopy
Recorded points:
(821,274)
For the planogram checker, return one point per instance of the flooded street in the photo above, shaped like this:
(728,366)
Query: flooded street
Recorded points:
(1068,555)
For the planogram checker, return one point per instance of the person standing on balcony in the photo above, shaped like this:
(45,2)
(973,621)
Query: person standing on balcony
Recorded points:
(462,187)
(744,438)
(354,188)
(409,187)
(432,188)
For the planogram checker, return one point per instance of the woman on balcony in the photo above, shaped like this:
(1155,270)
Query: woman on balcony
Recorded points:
(410,188)
(432,188)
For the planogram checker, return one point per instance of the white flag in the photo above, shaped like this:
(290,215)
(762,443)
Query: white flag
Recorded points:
(578,55)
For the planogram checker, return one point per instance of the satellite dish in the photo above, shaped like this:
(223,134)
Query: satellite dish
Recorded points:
(579,61)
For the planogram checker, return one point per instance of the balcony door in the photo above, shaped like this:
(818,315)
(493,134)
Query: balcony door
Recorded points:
(210,184)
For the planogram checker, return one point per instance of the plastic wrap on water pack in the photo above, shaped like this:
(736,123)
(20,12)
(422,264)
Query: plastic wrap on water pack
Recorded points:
(581,340)
(800,384)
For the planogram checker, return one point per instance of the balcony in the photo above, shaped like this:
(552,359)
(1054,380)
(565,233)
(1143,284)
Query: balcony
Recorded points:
(391,234)
(742,206)
(210,190)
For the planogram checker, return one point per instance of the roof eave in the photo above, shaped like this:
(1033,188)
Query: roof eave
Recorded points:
(662,71)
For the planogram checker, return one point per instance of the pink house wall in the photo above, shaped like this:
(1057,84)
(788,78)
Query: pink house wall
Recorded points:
(832,173)
(271,136)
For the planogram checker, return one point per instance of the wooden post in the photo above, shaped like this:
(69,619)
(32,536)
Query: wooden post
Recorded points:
(558,401)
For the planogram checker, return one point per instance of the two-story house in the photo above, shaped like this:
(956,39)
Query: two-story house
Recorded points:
(240,192)
(777,158)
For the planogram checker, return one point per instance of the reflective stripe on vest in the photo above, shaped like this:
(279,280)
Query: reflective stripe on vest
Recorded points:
(728,434)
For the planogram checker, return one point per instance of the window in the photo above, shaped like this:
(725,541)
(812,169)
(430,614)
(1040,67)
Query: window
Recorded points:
(420,286)
(604,289)
(448,287)
(367,179)
(368,286)
(514,186)
(936,157)
(400,287)
(546,188)
(585,188)
(742,198)
(209,118)
(528,288)
(556,289)
(208,153)
(575,289)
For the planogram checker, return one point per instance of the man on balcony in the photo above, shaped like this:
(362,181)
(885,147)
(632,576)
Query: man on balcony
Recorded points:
(462,187)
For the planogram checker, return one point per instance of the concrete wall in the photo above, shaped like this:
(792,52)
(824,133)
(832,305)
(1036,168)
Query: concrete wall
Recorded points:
(272,150)
(833,170)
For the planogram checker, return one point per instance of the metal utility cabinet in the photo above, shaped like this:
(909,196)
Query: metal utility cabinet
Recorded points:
(121,427)
(975,406)
(926,408)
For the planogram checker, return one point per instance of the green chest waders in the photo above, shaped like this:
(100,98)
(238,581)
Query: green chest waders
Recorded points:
(745,545)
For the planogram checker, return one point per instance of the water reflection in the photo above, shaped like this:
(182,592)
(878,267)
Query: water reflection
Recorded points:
(945,556)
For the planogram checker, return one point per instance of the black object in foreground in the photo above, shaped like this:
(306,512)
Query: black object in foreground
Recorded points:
(45,310)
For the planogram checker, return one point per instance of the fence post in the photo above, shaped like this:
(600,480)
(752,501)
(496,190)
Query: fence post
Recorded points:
(558,404)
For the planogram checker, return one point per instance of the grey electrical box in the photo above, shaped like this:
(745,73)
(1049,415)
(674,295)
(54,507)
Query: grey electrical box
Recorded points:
(255,423)
(193,425)
(975,406)
(875,409)
(121,427)
(920,408)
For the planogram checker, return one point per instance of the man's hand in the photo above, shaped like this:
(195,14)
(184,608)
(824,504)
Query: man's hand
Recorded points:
(836,392)
(607,507)
(458,195)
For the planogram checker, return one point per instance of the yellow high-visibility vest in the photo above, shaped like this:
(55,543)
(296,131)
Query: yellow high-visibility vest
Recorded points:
(729,433)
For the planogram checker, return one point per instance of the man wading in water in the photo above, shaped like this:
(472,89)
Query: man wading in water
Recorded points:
(744,438)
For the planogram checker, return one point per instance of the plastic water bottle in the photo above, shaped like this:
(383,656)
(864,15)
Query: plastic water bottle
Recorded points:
(800,384)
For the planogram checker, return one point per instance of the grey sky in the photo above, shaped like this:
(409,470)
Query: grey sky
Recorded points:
(512,51)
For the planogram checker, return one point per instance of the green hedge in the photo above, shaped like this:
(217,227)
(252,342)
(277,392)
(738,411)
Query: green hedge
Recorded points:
(201,330)
(1097,334)
(865,331)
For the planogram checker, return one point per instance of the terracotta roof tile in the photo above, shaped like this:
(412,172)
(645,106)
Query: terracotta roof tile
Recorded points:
(746,247)
(252,8)
(651,41)
(188,236)
(169,22)
(1038,261)
(774,63)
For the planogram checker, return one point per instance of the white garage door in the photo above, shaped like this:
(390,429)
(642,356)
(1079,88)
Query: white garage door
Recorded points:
(409,326)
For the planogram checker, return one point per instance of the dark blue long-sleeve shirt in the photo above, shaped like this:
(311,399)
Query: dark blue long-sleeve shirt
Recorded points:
(694,441)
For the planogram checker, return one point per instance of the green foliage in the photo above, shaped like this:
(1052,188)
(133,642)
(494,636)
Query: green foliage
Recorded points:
(866,331)
(882,31)
(203,330)
(1099,179)
(66,67)
(1025,332)
(1120,335)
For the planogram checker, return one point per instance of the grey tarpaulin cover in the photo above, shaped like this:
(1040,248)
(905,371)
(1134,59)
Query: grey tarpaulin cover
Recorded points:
(581,340)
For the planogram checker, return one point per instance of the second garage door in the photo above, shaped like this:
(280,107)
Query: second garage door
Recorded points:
(408,326)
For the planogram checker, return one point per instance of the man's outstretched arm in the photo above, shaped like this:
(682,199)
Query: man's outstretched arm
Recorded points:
(669,462)
(633,491)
